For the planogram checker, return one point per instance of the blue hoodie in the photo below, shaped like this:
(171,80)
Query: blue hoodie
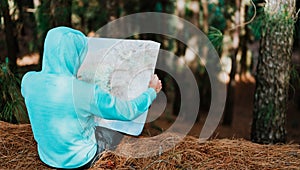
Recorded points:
(61,108)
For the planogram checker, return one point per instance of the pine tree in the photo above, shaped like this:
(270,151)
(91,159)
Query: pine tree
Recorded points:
(273,72)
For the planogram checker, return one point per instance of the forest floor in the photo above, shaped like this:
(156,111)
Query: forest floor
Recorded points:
(242,116)
(18,151)
(229,148)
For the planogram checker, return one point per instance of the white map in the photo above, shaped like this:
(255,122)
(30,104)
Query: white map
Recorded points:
(123,68)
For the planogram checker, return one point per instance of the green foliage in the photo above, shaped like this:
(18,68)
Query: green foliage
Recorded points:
(12,107)
(216,16)
(266,113)
(188,12)
(282,15)
(256,25)
(31,46)
(216,38)
(295,77)
(132,6)
(91,14)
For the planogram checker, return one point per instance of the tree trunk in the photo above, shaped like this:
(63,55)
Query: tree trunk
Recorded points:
(205,26)
(44,24)
(10,37)
(273,73)
(229,106)
(28,24)
(244,37)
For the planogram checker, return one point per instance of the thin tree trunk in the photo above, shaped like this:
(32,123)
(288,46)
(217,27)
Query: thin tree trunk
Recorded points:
(244,35)
(180,49)
(204,5)
(10,37)
(28,29)
(229,106)
(44,24)
(243,49)
(273,73)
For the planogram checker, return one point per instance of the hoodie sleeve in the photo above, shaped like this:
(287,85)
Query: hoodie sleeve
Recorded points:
(111,107)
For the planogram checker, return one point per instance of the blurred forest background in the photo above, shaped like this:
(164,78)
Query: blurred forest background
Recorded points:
(258,43)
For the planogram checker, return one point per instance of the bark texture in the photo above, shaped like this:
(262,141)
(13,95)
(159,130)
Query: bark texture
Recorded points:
(273,73)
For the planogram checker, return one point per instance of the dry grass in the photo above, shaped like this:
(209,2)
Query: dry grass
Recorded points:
(18,151)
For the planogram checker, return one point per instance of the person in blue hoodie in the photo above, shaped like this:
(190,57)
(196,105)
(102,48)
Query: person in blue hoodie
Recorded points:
(61,107)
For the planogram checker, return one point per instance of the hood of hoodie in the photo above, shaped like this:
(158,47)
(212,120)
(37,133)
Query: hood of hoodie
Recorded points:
(64,51)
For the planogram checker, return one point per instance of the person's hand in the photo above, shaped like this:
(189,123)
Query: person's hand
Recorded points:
(155,83)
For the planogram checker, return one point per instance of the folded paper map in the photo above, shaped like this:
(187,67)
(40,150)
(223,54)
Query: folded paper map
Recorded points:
(123,68)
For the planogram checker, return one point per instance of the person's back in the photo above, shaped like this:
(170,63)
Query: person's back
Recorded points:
(61,108)
(64,136)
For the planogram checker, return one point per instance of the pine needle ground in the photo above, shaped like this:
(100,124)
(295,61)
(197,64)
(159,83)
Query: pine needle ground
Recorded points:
(18,151)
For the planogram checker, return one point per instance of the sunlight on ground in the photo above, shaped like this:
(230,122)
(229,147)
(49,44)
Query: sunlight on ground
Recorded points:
(29,59)
(246,78)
